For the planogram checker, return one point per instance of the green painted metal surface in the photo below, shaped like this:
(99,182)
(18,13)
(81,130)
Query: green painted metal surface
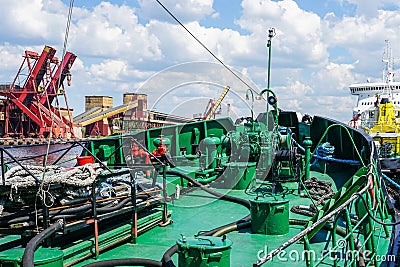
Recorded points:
(238,175)
(44,257)
(204,251)
(270,215)
(224,163)
(239,161)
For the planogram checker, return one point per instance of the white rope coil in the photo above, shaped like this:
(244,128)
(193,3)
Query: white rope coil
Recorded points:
(79,176)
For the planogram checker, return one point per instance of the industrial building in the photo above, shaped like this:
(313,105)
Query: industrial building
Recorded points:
(101,118)
(29,105)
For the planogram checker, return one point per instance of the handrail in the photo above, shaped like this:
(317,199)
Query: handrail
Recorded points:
(320,222)
(348,133)
(22,166)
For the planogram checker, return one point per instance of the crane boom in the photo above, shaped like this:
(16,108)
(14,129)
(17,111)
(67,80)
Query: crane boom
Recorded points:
(210,112)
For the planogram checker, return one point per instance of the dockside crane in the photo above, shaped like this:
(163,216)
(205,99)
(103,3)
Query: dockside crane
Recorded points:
(27,107)
(212,106)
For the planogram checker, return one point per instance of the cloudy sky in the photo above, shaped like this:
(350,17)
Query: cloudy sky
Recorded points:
(319,49)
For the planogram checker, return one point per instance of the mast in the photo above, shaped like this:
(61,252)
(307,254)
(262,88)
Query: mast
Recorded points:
(271,33)
(388,74)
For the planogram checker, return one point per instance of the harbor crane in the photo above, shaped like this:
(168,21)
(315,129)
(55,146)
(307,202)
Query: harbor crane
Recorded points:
(212,106)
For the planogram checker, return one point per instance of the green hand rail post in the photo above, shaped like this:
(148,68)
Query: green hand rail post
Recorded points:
(307,145)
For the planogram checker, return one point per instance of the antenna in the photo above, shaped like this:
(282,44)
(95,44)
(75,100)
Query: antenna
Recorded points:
(388,74)
(271,34)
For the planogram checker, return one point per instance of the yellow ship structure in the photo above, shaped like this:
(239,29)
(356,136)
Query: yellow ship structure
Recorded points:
(386,130)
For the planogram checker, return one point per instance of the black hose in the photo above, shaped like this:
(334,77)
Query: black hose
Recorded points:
(80,208)
(372,215)
(125,262)
(116,207)
(166,260)
(237,200)
(27,258)
(71,213)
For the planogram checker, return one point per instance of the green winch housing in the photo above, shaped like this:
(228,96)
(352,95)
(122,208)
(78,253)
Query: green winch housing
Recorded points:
(238,175)
(204,251)
(269,215)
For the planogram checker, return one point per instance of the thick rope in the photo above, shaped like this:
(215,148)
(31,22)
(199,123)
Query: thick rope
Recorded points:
(79,176)
(319,191)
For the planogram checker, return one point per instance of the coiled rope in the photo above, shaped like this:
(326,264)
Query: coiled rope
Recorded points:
(79,176)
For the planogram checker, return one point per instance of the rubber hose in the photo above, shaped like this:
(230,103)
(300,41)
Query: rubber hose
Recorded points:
(27,258)
(116,207)
(339,230)
(237,200)
(11,218)
(79,212)
(166,260)
(232,228)
(247,224)
(89,211)
(83,207)
(66,216)
(211,232)
(105,207)
(125,262)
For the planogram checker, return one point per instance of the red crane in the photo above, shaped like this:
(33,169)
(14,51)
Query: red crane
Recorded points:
(28,107)
(212,106)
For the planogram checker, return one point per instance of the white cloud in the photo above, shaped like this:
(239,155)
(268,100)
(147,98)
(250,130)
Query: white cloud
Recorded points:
(29,22)
(333,79)
(178,46)
(11,57)
(112,31)
(109,70)
(298,32)
(371,8)
(184,10)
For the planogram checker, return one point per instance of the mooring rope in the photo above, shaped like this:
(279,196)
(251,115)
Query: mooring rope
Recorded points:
(79,176)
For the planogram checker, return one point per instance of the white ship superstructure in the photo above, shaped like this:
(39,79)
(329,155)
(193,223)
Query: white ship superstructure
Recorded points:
(372,94)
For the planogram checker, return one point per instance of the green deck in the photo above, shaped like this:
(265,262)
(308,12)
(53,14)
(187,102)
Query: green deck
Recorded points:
(198,211)
(218,153)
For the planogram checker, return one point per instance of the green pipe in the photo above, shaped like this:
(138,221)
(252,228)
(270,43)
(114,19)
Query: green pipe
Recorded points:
(271,33)
(334,240)
(207,180)
(307,145)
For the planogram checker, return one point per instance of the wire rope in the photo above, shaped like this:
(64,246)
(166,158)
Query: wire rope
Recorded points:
(41,191)
(206,48)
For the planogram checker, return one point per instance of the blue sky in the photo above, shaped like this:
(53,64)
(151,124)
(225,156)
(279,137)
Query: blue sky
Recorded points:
(320,48)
